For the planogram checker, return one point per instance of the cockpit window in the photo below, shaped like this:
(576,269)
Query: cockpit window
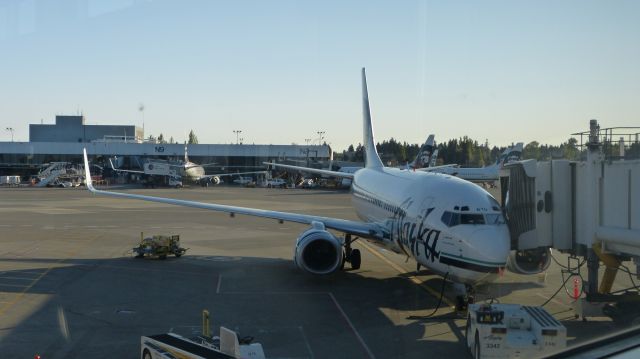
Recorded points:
(494,218)
(494,204)
(471,218)
(451,219)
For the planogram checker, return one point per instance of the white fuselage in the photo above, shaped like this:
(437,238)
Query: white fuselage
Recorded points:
(414,206)
(489,173)
(192,171)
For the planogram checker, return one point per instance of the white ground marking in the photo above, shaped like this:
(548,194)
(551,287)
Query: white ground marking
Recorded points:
(306,342)
(344,315)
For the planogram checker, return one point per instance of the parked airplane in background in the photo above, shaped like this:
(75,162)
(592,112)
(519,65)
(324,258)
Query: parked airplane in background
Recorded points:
(182,170)
(449,225)
(483,174)
(426,157)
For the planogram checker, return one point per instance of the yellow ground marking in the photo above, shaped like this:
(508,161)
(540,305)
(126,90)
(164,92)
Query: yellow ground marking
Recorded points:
(19,296)
(401,270)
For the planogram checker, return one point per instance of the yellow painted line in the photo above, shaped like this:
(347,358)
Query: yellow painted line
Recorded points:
(401,270)
(36,280)
(21,294)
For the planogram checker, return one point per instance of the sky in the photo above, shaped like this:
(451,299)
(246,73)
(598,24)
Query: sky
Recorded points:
(281,71)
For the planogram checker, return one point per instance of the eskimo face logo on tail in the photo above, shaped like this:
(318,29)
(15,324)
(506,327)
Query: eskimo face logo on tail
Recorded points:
(415,236)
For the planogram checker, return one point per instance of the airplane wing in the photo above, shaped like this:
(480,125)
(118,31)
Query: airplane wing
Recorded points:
(119,170)
(311,170)
(361,229)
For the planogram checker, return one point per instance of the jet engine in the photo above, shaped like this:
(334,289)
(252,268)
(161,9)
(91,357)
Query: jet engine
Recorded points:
(215,180)
(318,251)
(530,261)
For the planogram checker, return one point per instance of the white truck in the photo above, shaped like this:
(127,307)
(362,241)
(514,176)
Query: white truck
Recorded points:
(276,182)
(512,331)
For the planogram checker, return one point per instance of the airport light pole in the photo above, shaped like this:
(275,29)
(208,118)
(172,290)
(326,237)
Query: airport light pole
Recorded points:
(320,137)
(237,132)
(10,129)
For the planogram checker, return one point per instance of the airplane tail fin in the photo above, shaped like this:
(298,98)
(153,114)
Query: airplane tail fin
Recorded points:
(513,153)
(516,152)
(434,158)
(425,154)
(372,159)
(87,174)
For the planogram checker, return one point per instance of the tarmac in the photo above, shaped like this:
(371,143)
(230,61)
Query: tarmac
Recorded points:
(70,287)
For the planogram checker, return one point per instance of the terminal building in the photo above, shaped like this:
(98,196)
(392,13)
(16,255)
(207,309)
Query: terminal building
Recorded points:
(73,129)
(64,141)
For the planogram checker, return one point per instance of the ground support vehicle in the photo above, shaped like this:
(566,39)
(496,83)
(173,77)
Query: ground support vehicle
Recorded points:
(225,346)
(159,246)
(512,331)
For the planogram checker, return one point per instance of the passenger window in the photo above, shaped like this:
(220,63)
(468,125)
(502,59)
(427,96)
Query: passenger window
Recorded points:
(468,218)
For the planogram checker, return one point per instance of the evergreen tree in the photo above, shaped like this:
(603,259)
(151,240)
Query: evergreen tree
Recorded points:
(193,139)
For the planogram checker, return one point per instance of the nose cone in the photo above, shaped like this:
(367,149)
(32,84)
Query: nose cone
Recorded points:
(493,243)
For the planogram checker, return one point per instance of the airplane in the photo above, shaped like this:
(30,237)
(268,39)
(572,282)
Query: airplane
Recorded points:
(448,225)
(186,169)
(482,174)
(426,157)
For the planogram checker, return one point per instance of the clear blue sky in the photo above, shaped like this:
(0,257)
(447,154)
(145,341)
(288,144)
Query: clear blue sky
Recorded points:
(280,71)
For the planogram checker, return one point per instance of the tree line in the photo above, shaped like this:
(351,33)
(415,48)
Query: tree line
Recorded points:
(468,152)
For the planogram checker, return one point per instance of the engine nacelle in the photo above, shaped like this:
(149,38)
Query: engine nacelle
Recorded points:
(215,180)
(530,261)
(318,252)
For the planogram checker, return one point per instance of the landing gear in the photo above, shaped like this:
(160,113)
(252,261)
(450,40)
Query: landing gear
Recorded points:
(465,295)
(352,256)
(356,259)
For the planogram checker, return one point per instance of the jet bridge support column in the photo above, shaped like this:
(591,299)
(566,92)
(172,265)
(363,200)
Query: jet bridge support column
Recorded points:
(593,263)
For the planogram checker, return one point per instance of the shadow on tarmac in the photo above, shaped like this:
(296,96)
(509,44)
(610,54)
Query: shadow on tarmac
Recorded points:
(101,307)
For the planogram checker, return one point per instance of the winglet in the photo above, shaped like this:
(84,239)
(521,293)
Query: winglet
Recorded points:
(87,174)
(372,159)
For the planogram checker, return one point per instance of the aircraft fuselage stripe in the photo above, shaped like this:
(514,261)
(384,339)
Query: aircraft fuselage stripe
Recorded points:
(470,266)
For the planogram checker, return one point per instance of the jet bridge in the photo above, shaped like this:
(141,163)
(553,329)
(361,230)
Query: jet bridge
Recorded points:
(589,209)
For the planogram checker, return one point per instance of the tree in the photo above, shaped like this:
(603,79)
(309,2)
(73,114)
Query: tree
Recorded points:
(193,139)
(532,150)
(171,139)
(161,139)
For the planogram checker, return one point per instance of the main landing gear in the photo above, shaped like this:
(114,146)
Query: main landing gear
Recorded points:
(351,255)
